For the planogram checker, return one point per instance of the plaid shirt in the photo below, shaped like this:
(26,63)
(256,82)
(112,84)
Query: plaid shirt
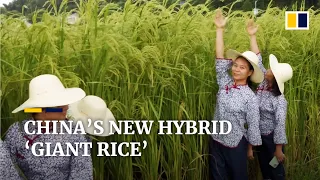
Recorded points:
(48,167)
(273,110)
(238,105)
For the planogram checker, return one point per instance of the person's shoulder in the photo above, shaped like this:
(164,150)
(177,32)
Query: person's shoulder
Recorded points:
(263,83)
(249,96)
(12,132)
(281,99)
(19,124)
(249,93)
(15,128)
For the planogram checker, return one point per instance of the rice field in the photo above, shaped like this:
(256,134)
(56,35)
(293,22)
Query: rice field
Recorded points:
(149,61)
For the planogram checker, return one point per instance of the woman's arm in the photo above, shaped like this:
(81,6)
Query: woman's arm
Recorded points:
(7,167)
(280,121)
(11,141)
(279,136)
(252,30)
(253,119)
(222,65)
(220,22)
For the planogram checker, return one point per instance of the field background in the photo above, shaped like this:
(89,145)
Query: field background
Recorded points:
(153,61)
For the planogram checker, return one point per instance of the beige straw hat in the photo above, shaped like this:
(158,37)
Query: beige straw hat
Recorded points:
(94,108)
(47,91)
(281,71)
(257,75)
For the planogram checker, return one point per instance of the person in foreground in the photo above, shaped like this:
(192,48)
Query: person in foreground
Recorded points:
(236,103)
(48,91)
(273,110)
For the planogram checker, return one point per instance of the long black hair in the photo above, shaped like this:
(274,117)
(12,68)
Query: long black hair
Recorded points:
(275,88)
(249,82)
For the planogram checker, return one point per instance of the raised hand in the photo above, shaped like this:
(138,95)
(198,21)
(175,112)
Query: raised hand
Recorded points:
(252,28)
(220,21)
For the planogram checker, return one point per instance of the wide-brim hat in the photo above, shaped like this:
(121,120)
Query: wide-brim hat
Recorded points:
(94,108)
(48,91)
(282,71)
(257,75)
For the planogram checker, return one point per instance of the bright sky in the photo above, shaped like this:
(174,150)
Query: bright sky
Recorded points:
(4,2)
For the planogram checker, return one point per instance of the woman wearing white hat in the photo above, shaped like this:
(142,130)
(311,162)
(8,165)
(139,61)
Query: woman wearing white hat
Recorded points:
(8,170)
(236,103)
(273,110)
(48,91)
(93,108)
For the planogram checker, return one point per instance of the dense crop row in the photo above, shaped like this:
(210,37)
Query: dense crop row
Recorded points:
(155,62)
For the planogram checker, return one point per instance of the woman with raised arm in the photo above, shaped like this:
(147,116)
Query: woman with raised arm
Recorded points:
(273,110)
(236,103)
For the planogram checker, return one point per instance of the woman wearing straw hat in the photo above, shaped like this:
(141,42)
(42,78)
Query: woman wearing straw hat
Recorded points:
(93,108)
(7,168)
(236,103)
(273,110)
(48,91)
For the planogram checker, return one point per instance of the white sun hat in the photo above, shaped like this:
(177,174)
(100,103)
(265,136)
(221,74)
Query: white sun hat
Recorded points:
(257,75)
(47,90)
(94,108)
(282,71)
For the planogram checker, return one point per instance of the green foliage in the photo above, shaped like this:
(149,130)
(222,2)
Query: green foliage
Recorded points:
(247,5)
(149,61)
(3,10)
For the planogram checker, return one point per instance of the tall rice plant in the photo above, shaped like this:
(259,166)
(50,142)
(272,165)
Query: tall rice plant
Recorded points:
(153,61)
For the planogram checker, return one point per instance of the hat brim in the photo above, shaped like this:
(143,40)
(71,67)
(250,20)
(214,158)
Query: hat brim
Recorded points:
(257,75)
(273,61)
(80,116)
(65,97)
